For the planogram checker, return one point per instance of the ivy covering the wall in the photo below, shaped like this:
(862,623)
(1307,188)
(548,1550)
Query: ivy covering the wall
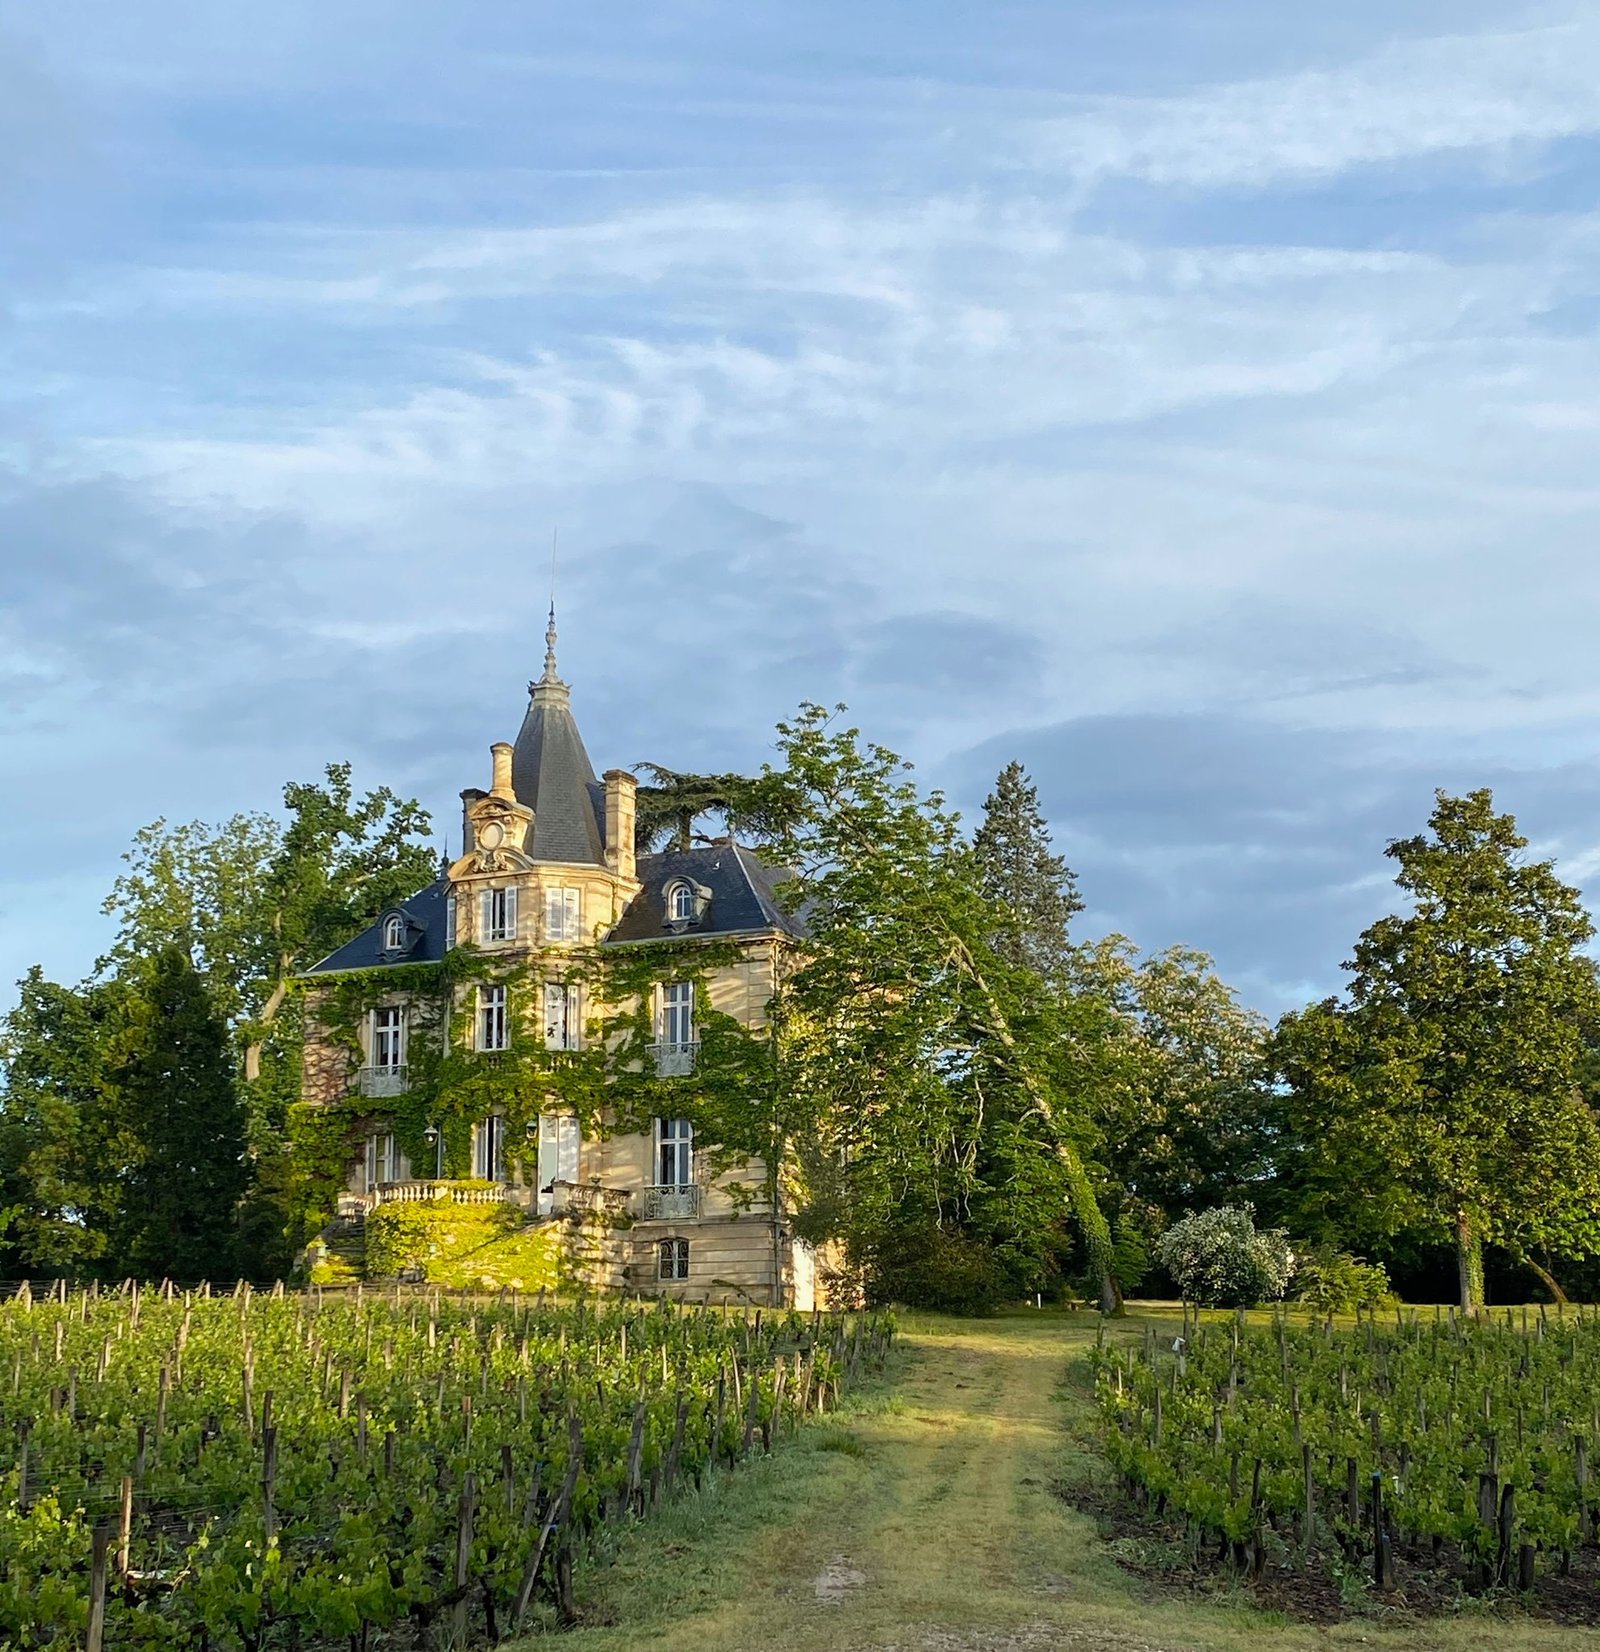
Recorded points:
(610,1086)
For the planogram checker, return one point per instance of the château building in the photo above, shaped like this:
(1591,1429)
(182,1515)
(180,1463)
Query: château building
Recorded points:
(510,951)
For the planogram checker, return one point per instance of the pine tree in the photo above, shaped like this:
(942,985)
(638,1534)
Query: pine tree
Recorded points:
(179,1103)
(1034,892)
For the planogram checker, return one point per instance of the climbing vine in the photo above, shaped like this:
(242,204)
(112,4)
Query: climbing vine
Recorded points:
(610,1085)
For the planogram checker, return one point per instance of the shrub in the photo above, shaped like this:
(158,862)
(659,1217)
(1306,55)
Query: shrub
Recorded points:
(938,1268)
(1219,1257)
(1130,1256)
(1335,1282)
(482,1245)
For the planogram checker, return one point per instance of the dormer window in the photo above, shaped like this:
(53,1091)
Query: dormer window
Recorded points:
(680,903)
(394,933)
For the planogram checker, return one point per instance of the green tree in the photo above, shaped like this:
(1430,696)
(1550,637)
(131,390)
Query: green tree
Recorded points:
(179,1102)
(1031,889)
(256,900)
(1442,1095)
(1184,1109)
(755,808)
(60,1143)
(253,902)
(906,1040)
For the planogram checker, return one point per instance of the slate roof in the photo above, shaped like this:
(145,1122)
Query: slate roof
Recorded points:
(424,913)
(551,774)
(742,897)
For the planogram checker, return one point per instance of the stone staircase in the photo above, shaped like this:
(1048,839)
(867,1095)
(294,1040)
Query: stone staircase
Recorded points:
(344,1245)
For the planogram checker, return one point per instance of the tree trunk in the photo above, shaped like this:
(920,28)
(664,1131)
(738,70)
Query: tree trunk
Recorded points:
(1469,1265)
(1085,1207)
(1091,1220)
(1111,1294)
(269,1012)
(1547,1280)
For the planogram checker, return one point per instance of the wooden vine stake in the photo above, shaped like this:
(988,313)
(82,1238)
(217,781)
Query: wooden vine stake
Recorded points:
(1580,1463)
(635,1458)
(1382,1550)
(125,1526)
(554,1522)
(1308,1523)
(469,1508)
(94,1640)
(269,1481)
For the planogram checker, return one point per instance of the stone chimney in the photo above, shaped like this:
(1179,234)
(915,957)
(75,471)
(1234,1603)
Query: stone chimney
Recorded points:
(502,750)
(469,838)
(622,791)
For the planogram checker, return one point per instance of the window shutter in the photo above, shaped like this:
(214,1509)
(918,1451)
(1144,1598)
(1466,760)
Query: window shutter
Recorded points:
(485,914)
(511,913)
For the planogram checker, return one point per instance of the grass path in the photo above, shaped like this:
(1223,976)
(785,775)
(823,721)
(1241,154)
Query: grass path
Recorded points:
(922,1519)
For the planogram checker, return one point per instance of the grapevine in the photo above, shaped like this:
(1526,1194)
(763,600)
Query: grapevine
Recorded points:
(1431,1448)
(291,1470)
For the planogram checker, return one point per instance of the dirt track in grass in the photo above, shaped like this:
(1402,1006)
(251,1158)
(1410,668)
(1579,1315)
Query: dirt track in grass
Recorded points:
(927,1515)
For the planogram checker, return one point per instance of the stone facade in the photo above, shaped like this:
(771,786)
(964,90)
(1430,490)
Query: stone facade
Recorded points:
(548,870)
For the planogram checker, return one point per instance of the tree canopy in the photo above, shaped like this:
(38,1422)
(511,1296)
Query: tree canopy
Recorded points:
(178,1097)
(932,1072)
(258,898)
(1442,1094)
(755,808)
(1032,891)
(245,905)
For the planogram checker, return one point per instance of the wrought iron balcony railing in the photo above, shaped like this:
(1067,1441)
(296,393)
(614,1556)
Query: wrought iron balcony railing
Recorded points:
(383,1081)
(670,1204)
(674,1060)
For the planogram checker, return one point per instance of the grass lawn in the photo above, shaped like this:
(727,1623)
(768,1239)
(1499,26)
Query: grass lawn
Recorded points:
(922,1516)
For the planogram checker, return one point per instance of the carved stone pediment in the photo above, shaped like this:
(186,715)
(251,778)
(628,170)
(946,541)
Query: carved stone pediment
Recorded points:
(480,863)
(500,827)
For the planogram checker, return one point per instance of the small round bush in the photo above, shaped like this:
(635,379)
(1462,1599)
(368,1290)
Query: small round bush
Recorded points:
(1220,1258)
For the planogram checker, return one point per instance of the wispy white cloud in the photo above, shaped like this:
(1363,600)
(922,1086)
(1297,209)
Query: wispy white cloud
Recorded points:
(1404,101)
(927,435)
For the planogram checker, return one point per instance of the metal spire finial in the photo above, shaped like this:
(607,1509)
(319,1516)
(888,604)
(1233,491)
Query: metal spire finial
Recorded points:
(550,648)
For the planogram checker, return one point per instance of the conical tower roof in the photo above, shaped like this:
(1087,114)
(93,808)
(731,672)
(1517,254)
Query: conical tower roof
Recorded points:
(552,775)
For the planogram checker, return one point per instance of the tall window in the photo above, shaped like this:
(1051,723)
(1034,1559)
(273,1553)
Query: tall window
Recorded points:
(385,1161)
(562,1025)
(493,1029)
(674,1259)
(680,903)
(450,920)
(562,912)
(677,1014)
(488,1149)
(394,932)
(559,1144)
(389,1038)
(675,1153)
(499,918)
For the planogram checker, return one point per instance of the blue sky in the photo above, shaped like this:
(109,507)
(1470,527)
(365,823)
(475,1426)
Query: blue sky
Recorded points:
(1196,401)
